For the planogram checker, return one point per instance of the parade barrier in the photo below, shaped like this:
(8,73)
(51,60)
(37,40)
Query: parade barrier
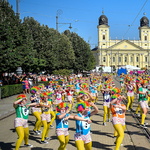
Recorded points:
(9,90)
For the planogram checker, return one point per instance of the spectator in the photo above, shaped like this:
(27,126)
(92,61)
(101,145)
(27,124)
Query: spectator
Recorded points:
(1,82)
(24,87)
(27,85)
(30,79)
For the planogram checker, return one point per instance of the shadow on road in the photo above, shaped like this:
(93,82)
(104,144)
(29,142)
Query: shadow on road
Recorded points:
(6,146)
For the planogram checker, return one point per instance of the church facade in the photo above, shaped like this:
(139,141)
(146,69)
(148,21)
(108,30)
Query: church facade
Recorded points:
(116,53)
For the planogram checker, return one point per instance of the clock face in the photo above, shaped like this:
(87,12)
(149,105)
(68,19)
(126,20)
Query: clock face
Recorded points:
(103,19)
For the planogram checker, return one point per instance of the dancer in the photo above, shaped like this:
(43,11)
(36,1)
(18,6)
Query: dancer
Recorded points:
(106,104)
(143,92)
(130,94)
(82,135)
(35,98)
(118,120)
(70,90)
(45,116)
(62,117)
(21,125)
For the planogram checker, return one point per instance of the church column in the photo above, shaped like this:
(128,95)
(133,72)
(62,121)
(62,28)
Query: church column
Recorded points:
(107,60)
(116,58)
(128,59)
(134,59)
(143,62)
(122,59)
(140,61)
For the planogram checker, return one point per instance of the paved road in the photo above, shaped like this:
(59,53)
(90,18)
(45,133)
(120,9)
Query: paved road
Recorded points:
(102,136)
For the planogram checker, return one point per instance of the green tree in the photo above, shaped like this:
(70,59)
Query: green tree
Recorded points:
(9,38)
(84,59)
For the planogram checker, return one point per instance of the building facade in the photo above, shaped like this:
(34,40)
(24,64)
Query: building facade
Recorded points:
(116,53)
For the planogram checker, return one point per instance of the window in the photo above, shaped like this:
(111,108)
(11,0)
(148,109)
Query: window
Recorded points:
(131,59)
(119,59)
(145,65)
(145,38)
(103,44)
(103,37)
(137,65)
(145,44)
(145,59)
(125,59)
(113,59)
(104,59)
(137,59)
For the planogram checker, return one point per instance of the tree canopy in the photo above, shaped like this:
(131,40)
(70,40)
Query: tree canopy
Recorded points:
(36,47)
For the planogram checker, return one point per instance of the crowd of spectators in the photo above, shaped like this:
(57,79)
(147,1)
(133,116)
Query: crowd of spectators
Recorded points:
(7,79)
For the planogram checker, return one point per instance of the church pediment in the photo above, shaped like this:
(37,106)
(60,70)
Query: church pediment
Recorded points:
(125,45)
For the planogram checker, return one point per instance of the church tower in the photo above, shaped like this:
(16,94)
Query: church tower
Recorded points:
(103,31)
(144,31)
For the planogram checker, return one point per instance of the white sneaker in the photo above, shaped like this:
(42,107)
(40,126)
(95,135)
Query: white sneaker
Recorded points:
(40,131)
(145,124)
(47,138)
(44,142)
(104,123)
(36,132)
(29,145)
(51,126)
(109,120)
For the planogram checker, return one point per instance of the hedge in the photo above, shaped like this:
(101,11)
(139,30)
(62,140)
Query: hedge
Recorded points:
(9,90)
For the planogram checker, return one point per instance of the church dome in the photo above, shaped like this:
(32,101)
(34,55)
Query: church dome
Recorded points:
(144,21)
(103,20)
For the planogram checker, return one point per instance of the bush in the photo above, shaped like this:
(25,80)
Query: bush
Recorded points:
(63,72)
(9,90)
(43,82)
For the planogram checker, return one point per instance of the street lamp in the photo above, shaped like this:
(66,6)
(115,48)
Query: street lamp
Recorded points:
(59,12)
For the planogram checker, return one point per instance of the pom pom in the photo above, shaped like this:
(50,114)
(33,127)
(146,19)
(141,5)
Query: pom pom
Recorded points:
(20,97)
(82,104)
(84,85)
(34,89)
(144,81)
(82,93)
(114,96)
(61,105)
(41,86)
(43,94)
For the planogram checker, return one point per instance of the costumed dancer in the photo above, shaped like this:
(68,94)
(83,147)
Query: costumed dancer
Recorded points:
(118,120)
(93,89)
(138,85)
(77,87)
(70,91)
(106,104)
(21,121)
(83,123)
(84,95)
(50,94)
(35,98)
(121,79)
(143,92)
(130,93)
(45,116)
(62,124)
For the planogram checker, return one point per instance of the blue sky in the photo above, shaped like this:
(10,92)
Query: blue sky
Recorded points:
(83,16)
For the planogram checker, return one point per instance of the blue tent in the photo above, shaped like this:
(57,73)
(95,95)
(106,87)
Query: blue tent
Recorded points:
(120,71)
